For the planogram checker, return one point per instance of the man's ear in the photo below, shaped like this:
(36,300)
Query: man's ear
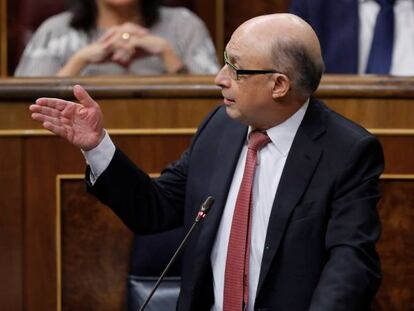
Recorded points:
(281,85)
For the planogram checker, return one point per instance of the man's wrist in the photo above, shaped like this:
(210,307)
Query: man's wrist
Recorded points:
(99,157)
(99,141)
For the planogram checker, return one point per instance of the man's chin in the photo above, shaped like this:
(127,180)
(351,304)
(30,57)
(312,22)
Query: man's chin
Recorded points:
(232,112)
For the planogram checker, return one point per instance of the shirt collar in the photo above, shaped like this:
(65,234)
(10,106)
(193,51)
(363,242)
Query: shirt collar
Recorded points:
(282,135)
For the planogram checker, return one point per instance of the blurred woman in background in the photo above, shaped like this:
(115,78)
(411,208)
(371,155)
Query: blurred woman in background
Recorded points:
(98,37)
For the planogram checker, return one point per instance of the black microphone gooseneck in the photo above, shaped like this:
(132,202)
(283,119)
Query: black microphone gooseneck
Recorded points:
(205,207)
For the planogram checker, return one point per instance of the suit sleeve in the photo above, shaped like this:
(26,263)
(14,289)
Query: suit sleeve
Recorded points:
(144,204)
(352,273)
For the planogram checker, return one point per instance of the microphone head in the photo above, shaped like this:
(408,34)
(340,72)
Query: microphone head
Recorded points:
(208,203)
(205,208)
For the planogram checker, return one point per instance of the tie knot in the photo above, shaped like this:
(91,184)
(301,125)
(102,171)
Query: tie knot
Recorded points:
(257,140)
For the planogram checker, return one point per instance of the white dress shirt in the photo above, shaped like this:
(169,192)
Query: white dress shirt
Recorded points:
(271,161)
(402,62)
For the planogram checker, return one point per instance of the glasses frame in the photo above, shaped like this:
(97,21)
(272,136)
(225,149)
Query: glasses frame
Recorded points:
(240,72)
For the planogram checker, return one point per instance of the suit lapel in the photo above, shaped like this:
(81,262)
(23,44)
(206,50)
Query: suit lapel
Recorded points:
(302,160)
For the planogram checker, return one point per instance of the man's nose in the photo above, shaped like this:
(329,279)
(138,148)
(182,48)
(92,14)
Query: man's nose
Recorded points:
(222,78)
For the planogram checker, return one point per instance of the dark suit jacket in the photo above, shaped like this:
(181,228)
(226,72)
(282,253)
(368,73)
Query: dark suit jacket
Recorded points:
(337,24)
(319,252)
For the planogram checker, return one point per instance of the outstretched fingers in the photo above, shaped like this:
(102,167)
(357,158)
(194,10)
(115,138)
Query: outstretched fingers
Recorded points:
(54,103)
(44,110)
(44,118)
(54,121)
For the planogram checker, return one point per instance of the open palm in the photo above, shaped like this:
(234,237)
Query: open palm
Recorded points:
(80,123)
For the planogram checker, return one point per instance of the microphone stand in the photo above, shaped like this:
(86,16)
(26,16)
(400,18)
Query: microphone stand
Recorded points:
(205,207)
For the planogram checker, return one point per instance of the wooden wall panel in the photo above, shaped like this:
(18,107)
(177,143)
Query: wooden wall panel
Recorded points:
(119,114)
(125,113)
(396,246)
(153,153)
(3,38)
(11,224)
(166,113)
(16,116)
(213,16)
(392,112)
(44,158)
(399,153)
(95,247)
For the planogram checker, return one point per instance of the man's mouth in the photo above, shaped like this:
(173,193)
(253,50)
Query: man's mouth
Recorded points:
(228,101)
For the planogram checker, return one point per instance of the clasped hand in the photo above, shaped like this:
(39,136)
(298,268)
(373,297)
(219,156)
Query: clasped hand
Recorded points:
(122,44)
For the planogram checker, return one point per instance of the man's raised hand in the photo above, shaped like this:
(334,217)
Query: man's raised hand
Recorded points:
(80,123)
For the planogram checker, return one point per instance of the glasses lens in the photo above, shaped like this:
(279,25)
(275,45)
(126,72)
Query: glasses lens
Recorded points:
(232,69)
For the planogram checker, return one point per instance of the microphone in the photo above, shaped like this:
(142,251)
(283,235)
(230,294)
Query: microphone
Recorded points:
(205,208)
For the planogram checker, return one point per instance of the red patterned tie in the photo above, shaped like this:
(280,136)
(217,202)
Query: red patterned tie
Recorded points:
(236,280)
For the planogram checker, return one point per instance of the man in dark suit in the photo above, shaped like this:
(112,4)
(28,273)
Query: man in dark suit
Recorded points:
(362,36)
(309,222)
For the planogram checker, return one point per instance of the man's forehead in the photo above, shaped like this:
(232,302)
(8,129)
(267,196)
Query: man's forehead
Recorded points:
(233,52)
(245,52)
(247,38)
(239,46)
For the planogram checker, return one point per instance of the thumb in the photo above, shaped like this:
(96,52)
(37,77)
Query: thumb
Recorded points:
(83,97)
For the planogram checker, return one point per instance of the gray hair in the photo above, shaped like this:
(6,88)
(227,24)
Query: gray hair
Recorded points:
(294,59)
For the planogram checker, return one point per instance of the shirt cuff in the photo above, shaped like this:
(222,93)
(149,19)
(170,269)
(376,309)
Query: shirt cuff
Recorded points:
(99,157)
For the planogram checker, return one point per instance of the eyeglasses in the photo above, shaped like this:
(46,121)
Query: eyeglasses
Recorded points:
(235,72)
